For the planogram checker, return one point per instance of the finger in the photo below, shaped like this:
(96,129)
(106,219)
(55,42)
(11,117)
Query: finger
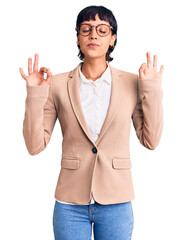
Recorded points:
(49,76)
(141,73)
(141,70)
(155,61)
(161,69)
(22,73)
(143,66)
(36,61)
(43,70)
(149,62)
(29,65)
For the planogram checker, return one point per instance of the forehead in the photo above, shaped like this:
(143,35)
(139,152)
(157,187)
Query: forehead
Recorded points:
(96,21)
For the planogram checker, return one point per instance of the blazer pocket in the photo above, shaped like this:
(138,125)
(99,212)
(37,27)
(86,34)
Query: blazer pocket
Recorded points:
(70,162)
(121,163)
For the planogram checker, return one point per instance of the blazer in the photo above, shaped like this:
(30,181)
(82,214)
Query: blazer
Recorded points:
(102,167)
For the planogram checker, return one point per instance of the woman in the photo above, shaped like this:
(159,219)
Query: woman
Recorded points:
(94,104)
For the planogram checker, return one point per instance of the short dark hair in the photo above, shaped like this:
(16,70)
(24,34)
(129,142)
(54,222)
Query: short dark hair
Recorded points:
(105,14)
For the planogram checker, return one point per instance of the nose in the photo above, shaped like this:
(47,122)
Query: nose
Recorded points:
(93,33)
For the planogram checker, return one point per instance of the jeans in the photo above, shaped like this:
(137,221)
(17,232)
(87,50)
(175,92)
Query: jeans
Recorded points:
(110,222)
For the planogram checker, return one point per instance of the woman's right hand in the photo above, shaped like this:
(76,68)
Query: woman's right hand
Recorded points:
(36,78)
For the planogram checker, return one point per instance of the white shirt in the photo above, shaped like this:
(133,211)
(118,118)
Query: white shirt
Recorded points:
(95,98)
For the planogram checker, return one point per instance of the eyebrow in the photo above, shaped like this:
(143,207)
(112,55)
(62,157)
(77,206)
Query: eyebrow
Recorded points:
(95,25)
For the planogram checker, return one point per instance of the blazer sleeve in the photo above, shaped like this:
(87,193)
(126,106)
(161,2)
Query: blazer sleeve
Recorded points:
(148,113)
(39,118)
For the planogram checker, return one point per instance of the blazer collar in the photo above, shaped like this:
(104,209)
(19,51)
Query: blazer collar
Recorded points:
(74,93)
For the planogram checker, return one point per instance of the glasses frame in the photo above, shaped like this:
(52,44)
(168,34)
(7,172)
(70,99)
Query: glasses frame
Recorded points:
(91,27)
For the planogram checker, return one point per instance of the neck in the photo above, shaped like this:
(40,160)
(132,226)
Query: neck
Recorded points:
(93,69)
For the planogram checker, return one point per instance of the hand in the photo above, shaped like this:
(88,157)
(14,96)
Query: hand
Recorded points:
(146,71)
(36,78)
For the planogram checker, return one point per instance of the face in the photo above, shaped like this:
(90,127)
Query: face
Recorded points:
(102,42)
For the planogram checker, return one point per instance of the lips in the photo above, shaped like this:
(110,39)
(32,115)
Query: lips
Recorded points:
(93,45)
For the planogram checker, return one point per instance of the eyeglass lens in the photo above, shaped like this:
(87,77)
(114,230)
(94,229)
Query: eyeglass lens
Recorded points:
(102,30)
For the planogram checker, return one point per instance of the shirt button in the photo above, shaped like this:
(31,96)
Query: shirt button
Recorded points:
(94,150)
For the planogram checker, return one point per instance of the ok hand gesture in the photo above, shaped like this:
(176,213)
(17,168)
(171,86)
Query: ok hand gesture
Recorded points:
(147,71)
(36,78)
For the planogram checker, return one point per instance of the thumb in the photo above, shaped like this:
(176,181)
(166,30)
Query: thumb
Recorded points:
(49,76)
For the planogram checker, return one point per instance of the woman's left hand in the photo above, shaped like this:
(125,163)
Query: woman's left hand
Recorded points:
(147,71)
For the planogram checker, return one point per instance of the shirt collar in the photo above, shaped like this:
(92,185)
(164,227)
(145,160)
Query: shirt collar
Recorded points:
(106,76)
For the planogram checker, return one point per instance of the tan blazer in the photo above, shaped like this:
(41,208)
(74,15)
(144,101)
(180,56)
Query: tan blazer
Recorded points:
(102,167)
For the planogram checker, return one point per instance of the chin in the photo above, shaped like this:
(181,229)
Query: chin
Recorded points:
(94,55)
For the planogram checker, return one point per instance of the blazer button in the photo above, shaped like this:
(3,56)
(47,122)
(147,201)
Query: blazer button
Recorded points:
(94,150)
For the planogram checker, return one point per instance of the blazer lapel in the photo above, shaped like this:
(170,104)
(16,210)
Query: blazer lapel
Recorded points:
(74,93)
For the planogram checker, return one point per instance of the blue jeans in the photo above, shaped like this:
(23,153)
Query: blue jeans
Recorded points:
(110,222)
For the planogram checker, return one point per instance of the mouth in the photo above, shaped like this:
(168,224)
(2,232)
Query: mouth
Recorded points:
(92,45)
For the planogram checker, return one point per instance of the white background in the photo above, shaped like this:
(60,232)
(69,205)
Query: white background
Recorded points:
(27,183)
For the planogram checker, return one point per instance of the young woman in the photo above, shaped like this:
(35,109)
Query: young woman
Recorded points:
(95,104)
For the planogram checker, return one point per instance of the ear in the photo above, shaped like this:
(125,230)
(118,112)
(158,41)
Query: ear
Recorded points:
(77,36)
(113,38)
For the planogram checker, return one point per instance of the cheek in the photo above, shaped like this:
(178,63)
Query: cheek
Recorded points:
(82,40)
(82,44)
(105,45)
(105,42)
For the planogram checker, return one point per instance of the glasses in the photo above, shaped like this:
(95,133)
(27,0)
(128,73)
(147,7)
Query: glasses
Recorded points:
(102,29)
